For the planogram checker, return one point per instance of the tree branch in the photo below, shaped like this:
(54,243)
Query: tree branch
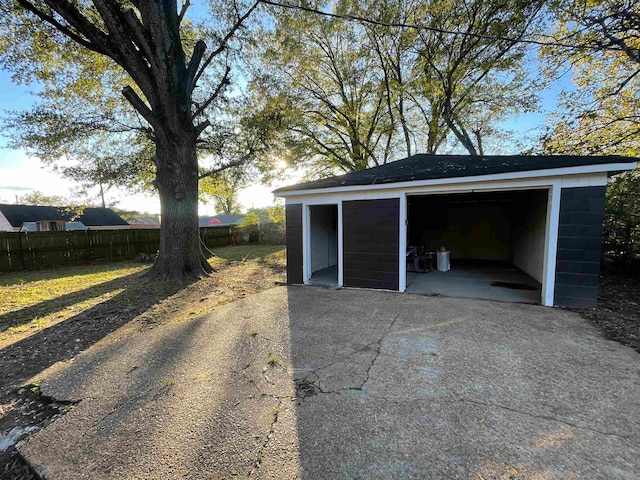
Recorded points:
(224,82)
(235,163)
(183,10)
(141,107)
(225,40)
(194,63)
(94,47)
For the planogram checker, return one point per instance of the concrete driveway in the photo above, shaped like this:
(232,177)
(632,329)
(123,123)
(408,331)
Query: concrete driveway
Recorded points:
(305,382)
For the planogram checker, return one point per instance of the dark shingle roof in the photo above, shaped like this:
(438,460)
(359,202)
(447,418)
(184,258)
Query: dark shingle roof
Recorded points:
(19,214)
(100,217)
(431,167)
(224,220)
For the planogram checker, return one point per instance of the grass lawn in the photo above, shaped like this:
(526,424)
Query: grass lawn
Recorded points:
(31,301)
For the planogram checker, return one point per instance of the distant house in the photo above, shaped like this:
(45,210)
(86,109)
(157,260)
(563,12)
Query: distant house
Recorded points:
(144,222)
(221,220)
(40,218)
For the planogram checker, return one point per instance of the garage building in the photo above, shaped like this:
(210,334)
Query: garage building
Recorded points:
(513,228)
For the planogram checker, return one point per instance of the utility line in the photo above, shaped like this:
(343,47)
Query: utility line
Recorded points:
(356,18)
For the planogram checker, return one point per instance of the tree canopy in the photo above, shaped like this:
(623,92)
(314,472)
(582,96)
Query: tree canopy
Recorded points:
(350,95)
(602,114)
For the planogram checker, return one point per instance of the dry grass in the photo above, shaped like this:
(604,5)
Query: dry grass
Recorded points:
(33,301)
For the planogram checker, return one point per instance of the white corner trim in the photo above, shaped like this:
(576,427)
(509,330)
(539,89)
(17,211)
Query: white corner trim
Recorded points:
(527,174)
(340,247)
(306,245)
(551,246)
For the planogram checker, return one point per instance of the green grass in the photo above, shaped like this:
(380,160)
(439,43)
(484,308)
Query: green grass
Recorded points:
(109,270)
(31,301)
(23,289)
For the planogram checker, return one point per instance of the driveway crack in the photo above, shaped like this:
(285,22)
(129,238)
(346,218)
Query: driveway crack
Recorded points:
(378,353)
(306,386)
(263,448)
(544,417)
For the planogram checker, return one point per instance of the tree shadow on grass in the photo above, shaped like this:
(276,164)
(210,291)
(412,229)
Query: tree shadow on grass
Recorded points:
(24,277)
(63,341)
(25,315)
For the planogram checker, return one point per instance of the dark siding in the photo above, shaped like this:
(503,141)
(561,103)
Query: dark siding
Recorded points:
(370,241)
(579,243)
(294,243)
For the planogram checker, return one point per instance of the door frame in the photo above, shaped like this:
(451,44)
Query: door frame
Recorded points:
(306,240)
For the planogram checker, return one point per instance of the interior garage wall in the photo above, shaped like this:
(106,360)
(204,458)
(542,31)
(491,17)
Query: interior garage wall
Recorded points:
(529,220)
(371,243)
(294,242)
(470,226)
(324,236)
(579,245)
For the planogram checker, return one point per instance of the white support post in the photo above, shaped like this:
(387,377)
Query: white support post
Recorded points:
(402,284)
(340,247)
(306,243)
(551,245)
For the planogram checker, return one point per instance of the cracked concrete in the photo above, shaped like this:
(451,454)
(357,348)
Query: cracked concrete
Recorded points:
(350,384)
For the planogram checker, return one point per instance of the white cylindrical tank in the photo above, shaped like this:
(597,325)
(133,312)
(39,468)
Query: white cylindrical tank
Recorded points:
(443,261)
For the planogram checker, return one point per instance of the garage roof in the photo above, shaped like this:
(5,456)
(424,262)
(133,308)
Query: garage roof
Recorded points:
(430,167)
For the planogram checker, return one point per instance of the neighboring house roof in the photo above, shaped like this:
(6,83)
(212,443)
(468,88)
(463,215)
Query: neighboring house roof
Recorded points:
(144,221)
(75,226)
(221,220)
(18,215)
(100,217)
(431,167)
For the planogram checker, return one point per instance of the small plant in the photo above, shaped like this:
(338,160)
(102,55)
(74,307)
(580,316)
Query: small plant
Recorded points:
(35,389)
(167,383)
(272,360)
(253,333)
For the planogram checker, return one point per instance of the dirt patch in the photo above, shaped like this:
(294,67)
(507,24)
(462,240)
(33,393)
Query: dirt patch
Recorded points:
(618,311)
(22,413)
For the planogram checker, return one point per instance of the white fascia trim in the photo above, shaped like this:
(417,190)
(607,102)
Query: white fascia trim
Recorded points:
(320,197)
(528,174)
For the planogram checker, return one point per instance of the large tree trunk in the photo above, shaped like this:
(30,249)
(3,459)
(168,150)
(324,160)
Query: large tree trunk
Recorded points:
(180,258)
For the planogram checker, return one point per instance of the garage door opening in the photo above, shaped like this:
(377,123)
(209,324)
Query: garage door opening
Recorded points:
(324,244)
(495,240)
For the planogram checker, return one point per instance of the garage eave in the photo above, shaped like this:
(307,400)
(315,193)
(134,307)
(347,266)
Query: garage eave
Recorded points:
(518,175)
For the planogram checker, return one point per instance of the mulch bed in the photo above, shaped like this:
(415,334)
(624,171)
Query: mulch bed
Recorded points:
(618,311)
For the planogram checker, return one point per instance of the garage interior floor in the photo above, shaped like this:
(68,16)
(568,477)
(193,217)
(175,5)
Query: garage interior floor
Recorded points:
(485,280)
(326,276)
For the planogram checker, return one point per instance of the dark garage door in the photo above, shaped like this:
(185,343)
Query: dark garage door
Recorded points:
(371,243)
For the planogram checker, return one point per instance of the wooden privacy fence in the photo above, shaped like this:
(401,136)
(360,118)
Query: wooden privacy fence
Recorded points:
(34,250)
